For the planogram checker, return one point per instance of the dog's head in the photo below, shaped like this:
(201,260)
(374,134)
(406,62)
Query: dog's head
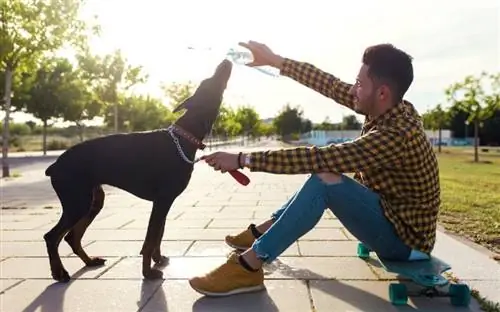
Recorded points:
(202,108)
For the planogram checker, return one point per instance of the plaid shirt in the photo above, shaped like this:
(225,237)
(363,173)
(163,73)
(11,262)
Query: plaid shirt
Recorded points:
(393,157)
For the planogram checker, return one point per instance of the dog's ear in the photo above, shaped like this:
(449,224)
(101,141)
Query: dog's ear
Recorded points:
(187,105)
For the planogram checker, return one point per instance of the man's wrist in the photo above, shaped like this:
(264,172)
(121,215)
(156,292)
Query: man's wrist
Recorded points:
(244,160)
(278,61)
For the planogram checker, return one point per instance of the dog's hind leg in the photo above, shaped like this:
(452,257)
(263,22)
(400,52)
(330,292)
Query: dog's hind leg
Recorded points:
(75,199)
(74,237)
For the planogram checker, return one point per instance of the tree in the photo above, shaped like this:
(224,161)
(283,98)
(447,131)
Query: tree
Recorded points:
(28,30)
(288,121)
(145,113)
(249,120)
(470,96)
(47,95)
(178,92)
(437,119)
(111,77)
(81,102)
(350,122)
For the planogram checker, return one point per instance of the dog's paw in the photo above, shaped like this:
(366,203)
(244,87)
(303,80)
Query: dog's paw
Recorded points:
(153,274)
(61,275)
(161,261)
(95,262)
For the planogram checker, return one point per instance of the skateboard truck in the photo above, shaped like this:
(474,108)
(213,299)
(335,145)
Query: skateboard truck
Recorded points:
(424,273)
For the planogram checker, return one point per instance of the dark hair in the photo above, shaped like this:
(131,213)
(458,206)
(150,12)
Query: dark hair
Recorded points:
(391,66)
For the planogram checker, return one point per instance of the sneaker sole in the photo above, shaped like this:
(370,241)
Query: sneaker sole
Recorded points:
(238,291)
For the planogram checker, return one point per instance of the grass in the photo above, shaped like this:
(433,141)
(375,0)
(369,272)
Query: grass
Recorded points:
(471,195)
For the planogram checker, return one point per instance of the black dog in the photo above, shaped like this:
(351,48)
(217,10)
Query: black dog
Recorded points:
(153,165)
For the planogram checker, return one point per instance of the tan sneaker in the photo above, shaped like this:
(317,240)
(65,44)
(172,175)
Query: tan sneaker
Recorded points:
(243,240)
(228,279)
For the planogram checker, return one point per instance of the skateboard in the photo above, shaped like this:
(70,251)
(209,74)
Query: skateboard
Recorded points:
(425,273)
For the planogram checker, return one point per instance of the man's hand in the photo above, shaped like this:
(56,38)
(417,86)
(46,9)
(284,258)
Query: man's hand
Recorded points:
(222,161)
(262,55)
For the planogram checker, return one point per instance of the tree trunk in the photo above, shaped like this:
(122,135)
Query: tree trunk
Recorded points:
(80,127)
(44,137)
(476,140)
(439,140)
(6,136)
(116,116)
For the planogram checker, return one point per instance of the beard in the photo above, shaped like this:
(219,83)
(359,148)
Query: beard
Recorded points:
(365,106)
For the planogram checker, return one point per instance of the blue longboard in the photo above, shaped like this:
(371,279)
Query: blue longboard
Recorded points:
(425,273)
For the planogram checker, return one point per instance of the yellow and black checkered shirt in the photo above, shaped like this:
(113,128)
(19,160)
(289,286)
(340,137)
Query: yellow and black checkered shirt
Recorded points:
(393,157)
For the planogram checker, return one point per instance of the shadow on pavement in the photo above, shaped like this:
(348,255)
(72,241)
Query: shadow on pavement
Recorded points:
(52,298)
(260,301)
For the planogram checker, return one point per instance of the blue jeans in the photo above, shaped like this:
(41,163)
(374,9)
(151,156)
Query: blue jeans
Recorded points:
(356,206)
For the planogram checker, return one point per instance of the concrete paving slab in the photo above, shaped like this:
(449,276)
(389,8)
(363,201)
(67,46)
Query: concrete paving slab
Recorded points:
(133,248)
(219,248)
(13,268)
(239,214)
(177,296)
(324,234)
(24,225)
(178,268)
(8,283)
(79,295)
(314,268)
(328,248)
(371,296)
(33,249)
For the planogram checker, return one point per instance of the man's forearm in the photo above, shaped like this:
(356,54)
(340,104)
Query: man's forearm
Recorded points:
(316,79)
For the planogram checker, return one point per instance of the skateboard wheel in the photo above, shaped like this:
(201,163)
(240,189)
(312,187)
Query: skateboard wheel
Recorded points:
(398,294)
(363,251)
(459,295)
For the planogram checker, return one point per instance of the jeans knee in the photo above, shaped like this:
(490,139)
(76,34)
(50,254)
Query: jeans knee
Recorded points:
(329,177)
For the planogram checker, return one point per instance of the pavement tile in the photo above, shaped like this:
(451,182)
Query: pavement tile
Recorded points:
(240,224)
(169,224)
(34,249)
(219,248)
(324,234)
(328,248)
(133,248)
(39,268)
(79,295)
(177,296)
(371,296)
(230,214)
(24,225)
(6,283)
(178,268)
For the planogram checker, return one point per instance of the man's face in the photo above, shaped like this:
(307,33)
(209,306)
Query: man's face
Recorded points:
(364,92)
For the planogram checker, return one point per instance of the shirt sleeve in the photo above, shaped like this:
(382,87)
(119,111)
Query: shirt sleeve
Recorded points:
(374,149)
(318,80)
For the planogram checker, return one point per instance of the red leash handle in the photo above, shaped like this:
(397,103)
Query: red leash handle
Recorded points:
(240,177)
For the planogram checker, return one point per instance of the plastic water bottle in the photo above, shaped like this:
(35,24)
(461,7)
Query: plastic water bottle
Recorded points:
(244,57)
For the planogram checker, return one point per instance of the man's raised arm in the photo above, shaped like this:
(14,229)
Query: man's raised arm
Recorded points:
(318,80)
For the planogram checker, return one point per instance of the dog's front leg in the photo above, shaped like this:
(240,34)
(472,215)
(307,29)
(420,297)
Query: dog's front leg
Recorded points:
(154,236)
(157,256)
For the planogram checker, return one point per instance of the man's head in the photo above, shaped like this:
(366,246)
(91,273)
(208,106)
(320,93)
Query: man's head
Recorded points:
(202,108)
(383,79)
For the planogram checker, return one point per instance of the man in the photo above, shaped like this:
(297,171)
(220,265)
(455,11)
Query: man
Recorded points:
(392,203)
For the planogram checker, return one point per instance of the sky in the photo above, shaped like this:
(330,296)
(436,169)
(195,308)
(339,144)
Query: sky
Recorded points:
(447,39)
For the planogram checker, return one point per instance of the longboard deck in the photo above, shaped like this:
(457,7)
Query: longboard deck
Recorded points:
(424,272)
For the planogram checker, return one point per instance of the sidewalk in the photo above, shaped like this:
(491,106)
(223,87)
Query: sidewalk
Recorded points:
(320,273)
